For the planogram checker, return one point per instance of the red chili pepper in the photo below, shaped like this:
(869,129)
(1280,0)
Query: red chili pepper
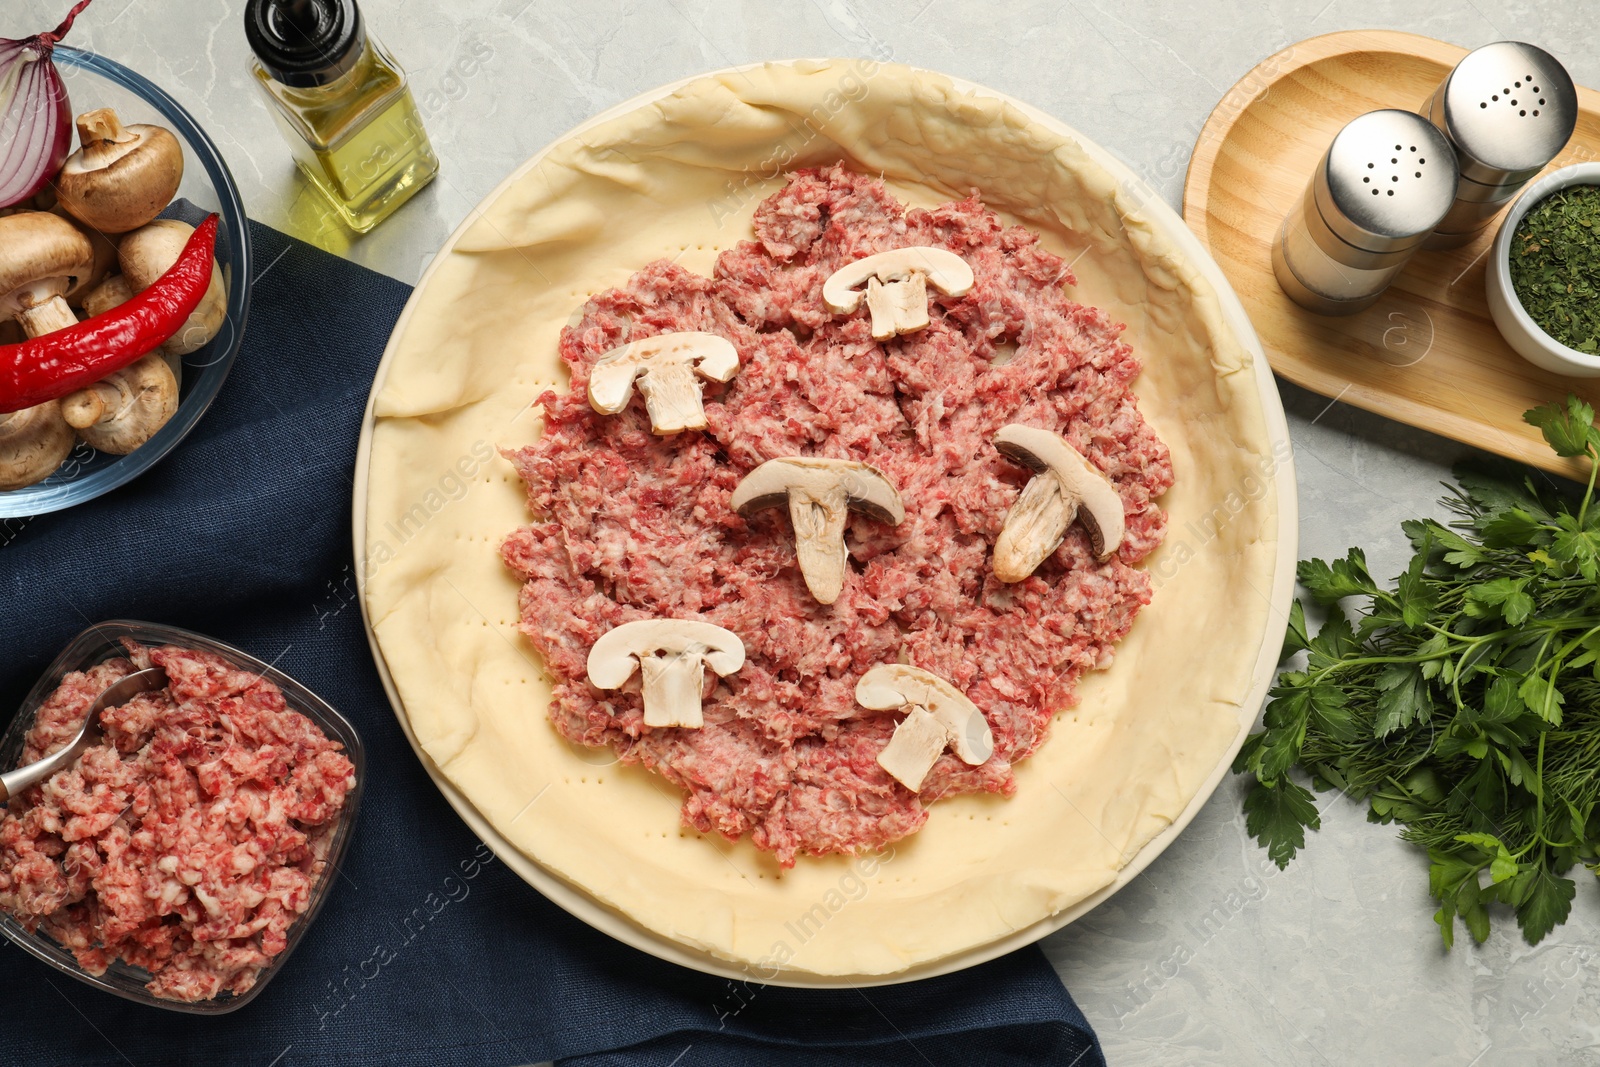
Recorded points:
(60,363)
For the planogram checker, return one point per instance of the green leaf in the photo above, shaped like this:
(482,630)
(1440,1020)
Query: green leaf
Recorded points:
(1542,698)
(1498,485)
(1548,903)
(1330,583)
(1566,428)
(1416,596)
(1580,547)
(1460,551)
(1333,642)
(1476,916)
(1503,598)
(1500,700)
(1446,918)
(1295,637)
(1278,817)
(1434,647)
(1403,699)
(1513,528)
(1330,709)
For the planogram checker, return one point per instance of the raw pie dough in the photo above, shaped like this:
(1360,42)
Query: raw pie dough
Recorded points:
(679,178)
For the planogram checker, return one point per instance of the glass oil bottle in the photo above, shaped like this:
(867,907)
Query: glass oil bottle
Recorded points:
(342,104)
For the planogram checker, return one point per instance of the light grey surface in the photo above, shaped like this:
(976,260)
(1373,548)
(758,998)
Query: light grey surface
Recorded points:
(1211,956)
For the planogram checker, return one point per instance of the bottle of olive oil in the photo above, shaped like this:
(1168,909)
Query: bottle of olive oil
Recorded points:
(342,104)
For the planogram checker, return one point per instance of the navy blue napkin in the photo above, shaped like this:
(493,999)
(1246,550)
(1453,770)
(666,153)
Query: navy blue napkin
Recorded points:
(430,952)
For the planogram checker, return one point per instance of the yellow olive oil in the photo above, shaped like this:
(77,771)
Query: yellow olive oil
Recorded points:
(342,104)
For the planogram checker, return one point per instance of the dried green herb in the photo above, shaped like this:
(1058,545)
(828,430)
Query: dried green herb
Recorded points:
(1555,266)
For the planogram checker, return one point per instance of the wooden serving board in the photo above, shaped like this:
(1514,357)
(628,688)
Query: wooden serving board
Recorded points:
(1427,353)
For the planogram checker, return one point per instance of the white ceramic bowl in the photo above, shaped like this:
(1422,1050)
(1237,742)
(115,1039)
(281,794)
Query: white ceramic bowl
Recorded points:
(1512,320)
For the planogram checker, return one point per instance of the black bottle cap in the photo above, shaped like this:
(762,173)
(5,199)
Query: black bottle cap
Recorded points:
(305,43)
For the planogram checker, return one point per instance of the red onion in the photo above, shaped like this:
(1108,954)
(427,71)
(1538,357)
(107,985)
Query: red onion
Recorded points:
(35,114)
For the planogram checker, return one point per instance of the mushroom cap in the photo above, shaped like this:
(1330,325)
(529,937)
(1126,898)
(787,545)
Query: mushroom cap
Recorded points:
(614,657)
(900,685)
(945,271)
(1099,505)
(112,292)
(33,443)
(866,488)
(41,255)
(611,378)
(122,411)
(149,252)
(122,177)
(105,259)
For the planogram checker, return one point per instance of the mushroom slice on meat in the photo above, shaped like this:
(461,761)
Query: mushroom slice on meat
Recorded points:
(938,716)
(820,494)
(665,367)
(1065,486)
(897,286)
(672,655)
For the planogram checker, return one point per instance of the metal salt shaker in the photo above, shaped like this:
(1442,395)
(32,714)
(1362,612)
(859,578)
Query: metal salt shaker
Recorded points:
(1508,109)
(1382,187)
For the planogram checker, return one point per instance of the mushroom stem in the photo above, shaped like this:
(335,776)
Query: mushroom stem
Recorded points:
(99,127)
(672,396)
(88,406)
(673,684)
(918,742)
(819,519)
(898,307)
(1034,527)
(48,316)
(122,411)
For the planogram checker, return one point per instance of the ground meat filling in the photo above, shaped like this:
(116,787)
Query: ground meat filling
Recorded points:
(632,526)
(189,842)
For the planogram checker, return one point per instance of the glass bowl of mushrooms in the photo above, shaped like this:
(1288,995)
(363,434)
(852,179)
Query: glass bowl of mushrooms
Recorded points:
(140,176)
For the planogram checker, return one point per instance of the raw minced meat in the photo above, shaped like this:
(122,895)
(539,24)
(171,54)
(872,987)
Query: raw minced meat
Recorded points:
(190,840)
(629,525)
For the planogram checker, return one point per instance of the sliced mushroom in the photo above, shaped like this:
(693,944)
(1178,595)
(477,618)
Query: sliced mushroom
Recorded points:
(897,292)
(938,716)
(672,655)
(665,366)
(1066,487)
(122,177)
(123,410)
(149,252)
(42,257)
(820,494)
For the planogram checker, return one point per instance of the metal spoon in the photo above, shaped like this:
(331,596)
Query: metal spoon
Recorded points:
(14,782)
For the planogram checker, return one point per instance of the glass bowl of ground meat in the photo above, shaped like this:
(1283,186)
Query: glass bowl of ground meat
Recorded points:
(180,861)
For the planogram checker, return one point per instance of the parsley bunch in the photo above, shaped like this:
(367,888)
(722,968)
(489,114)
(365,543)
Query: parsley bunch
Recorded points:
(1465,703)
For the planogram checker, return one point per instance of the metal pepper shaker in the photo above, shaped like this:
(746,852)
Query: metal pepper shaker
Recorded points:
(1382,187)
(1508,109)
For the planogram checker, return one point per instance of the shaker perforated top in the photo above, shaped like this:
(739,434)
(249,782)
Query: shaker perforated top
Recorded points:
(305,43)
(1509,108)
(1387,180)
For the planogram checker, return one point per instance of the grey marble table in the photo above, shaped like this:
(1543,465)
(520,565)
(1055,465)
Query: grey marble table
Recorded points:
(1211,956)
